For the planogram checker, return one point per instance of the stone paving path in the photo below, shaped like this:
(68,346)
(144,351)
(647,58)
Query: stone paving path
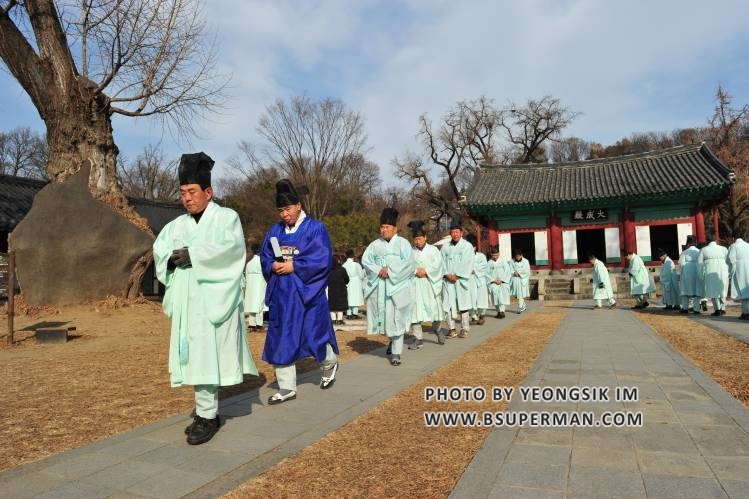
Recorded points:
(693,442)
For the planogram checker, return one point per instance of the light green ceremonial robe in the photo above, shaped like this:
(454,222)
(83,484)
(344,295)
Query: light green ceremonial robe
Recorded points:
(458,259)
(690,282)
(738,269)
(639,280)
(601,276)
(355,286)
(388,300)
(426,292)
(500,292)
(670,282)
(480,279)
(520,284)
(254,290)
(208,345)
(713,269)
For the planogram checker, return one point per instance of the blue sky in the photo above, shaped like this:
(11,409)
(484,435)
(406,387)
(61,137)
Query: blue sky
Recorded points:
(628,67)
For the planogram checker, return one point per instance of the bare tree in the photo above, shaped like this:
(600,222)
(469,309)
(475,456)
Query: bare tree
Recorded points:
(728,135)
(531,126)
(311,143)
(83,61)
(569,149)
(23,152)
(464,140)
(150,176)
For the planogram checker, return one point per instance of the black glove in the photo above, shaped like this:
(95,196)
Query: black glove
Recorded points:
(600,285)
(181,258)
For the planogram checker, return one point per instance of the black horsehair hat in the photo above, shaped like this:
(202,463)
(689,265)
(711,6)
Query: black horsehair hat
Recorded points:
(417,228)
(287,194)
(195,168)
(389,216)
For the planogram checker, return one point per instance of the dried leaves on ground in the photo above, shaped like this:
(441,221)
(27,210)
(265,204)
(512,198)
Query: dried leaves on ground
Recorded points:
(389,451)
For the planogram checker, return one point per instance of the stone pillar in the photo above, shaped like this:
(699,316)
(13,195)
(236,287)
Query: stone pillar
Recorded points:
(556,248)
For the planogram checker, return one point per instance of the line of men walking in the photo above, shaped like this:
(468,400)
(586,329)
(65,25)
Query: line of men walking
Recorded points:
(407,285)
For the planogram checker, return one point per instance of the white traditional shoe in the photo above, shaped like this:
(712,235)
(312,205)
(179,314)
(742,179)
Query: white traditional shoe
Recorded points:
(327,381)
(277,398)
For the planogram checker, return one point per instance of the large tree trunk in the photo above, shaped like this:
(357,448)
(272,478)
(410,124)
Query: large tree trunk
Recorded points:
(80,133)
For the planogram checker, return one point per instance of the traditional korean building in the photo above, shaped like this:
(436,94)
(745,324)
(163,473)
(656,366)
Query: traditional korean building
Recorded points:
(559,213)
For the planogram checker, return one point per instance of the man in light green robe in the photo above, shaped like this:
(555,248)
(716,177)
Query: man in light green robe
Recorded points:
(639,280)
(389,264)
(355,286)
(479,284)
(690,282)
(738,271)
(500,274)
(426,287)
(713,268)
(602,289)
(669,280)
(254,291)
(200,257)
(520,282)
(458,259)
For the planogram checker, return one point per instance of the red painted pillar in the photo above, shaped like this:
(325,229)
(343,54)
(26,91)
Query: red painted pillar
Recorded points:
(628,229)
(699,225)
(493,233)
(556,251)
(716,223)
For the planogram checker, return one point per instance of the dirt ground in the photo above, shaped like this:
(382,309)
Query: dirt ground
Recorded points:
(111,376)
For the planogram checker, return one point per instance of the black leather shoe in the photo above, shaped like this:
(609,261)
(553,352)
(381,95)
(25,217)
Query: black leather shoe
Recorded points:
(389,351)
(189,427)
(203,430)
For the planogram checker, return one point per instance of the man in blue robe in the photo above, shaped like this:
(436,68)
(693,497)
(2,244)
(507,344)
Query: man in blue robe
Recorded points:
(199,257)
(297,257)
(738,271)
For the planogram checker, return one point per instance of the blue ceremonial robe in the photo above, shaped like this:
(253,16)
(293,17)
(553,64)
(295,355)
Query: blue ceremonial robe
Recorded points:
(299,323)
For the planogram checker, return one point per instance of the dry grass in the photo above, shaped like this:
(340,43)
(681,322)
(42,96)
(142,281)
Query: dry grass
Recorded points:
(110,377)
(723,358)
(380,453)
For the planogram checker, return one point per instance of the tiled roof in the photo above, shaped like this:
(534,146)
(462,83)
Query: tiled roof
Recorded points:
(678,173)
(17,195)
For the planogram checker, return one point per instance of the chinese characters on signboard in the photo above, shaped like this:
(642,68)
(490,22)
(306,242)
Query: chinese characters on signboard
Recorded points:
(590,215)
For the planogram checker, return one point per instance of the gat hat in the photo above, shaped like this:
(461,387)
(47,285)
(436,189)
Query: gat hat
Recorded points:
(691,240)
(661,252)
(389,216)
(517,251)
(349,253)
(195,168)
(494,249)
(255,248)
(456,223)
(286,194)
(417,228)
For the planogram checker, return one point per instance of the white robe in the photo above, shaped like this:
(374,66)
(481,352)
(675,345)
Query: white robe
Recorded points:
(355,286)
(602,289)
(208,345)
(520,284)
(713,268)
(480,278)
(738,269)
(254,287)
(670,282)
(500,292)
(689,282)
